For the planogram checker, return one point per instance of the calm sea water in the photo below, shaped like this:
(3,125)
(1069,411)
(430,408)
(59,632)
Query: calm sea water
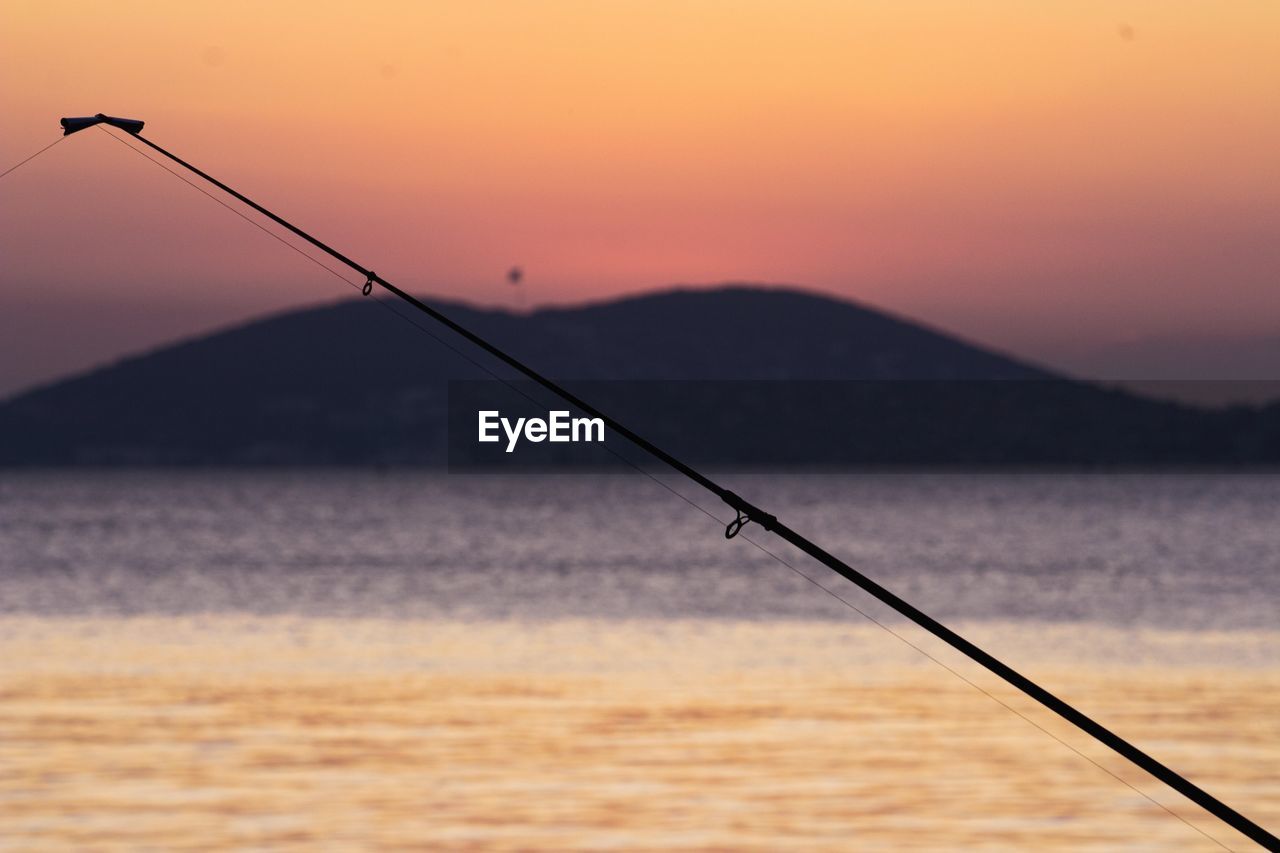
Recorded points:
(1183,552)
(350,660)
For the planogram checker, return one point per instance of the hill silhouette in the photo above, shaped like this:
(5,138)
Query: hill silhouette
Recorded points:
(735,375)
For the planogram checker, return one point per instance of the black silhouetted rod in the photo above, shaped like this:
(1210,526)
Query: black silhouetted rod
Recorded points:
(749,512)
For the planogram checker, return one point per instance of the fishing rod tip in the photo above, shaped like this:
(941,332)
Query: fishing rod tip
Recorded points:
(74,125)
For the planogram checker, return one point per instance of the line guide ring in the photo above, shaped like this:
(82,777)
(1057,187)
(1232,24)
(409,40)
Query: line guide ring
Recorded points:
(735,526)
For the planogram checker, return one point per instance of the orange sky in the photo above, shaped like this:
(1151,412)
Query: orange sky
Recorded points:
(1043,177)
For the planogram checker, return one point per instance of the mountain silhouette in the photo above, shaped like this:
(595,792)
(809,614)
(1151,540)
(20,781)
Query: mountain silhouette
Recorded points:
(736,375)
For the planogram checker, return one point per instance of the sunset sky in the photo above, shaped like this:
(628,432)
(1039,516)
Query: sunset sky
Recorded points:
(1059,180)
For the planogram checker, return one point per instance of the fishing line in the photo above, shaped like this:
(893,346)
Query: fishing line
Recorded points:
(689,501)
(15,166)
(746,511)
(945,666)
(989,695)
(636,467)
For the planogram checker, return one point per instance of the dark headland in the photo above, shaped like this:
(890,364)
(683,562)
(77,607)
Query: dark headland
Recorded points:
(740,376)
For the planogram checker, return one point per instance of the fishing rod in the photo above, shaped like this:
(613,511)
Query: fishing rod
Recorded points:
(746,512)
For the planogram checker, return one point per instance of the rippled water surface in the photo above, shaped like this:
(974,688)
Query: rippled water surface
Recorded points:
(1175,551)
(354,660)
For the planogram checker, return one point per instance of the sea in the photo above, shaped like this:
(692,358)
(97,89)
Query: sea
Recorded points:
(410,659)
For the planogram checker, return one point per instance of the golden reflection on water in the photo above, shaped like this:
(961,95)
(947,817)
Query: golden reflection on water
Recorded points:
(176,734)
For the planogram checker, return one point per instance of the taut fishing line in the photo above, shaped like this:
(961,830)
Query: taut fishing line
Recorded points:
(23,162)
(746,512)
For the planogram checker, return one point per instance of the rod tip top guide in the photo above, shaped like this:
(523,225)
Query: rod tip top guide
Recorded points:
(72,125)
